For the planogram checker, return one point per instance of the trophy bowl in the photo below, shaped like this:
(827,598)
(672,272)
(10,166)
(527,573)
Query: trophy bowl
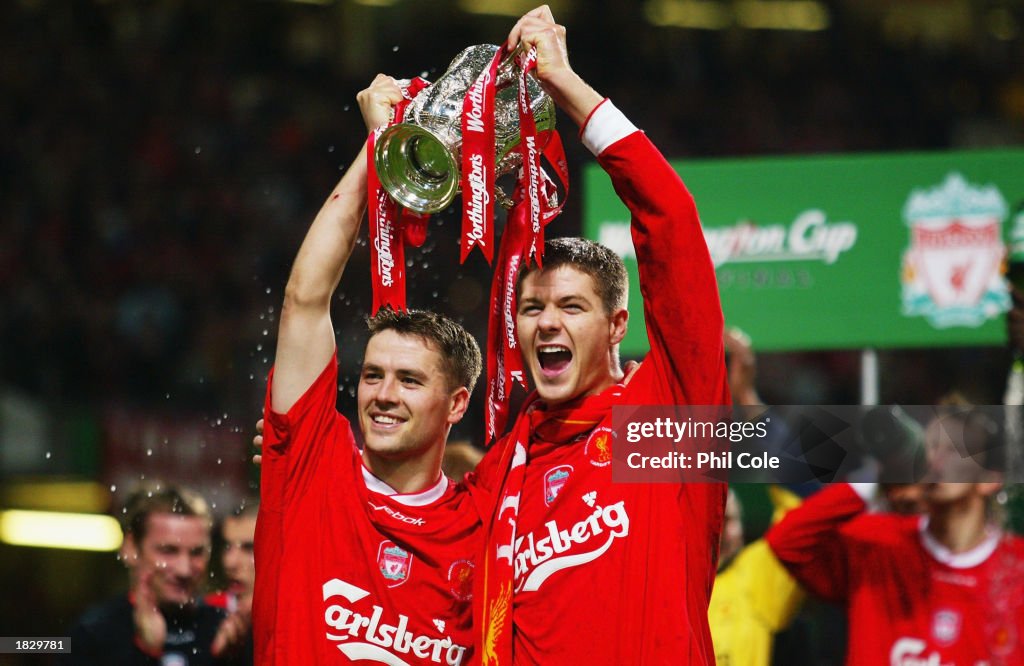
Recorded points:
(418,159)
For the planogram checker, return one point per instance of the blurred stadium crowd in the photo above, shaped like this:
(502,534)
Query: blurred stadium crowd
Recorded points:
(160,161)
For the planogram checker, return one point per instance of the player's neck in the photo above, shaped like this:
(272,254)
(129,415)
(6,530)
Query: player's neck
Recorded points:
(959,526)
(409,475)
(607,377)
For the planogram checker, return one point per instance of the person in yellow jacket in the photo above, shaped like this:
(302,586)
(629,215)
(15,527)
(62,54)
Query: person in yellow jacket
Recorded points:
(754,596)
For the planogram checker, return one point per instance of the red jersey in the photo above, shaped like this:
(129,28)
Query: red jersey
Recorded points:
(909,600)
(347,570)
(614,573)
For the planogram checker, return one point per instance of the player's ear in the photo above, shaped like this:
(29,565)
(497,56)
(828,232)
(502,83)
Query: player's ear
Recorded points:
(458,404)
(617,325)
(992,485)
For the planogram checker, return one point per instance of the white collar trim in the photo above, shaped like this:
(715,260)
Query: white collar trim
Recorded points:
(421,498)
(964,560)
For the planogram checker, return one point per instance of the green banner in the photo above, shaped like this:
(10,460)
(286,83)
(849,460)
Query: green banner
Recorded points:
(839,252)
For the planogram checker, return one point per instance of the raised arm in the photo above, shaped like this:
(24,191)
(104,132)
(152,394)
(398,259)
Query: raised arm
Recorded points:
(305,340)
(682,310)
(677,279)
(809,540)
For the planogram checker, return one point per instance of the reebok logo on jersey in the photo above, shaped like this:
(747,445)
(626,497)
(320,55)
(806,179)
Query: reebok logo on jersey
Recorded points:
(538,556)
(397,515)
(378,642)
(910,652)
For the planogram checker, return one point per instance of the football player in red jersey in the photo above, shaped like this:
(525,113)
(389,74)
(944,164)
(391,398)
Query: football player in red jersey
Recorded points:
(945,588)
(566,546)
(362,555)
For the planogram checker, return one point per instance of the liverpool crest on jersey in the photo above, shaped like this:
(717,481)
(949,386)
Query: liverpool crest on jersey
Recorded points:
(952,268)
(946,626)
(394,563)
(554,481)
(598,448)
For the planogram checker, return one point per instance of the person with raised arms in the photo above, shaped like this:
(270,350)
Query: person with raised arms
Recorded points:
(362,555)
(578,569)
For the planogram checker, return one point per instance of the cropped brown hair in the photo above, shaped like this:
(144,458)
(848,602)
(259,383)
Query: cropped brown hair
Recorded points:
(603,266)
(460,355)
(158,497)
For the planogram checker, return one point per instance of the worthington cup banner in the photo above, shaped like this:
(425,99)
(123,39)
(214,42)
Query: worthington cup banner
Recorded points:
(842,252)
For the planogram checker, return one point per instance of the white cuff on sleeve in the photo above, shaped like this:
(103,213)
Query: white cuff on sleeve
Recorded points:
(605,126)
(866,491)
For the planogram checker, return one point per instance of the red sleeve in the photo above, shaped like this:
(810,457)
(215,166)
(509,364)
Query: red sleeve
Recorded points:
(296,448)
(811,544)
(686,362)
(296,444)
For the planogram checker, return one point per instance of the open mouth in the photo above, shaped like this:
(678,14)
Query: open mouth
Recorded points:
(553,359)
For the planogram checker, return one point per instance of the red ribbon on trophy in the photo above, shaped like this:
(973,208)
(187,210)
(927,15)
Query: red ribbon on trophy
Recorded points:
(391,226)
(522,241)
(477,179)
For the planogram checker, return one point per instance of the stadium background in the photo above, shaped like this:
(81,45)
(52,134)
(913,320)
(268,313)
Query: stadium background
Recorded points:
(160,161)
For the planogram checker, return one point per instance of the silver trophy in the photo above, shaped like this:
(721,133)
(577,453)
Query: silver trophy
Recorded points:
(418,159)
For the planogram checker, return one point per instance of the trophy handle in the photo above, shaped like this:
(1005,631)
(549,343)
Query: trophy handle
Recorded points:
(508,73)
